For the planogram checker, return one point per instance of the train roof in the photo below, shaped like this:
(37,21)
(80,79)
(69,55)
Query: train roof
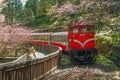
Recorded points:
(50,34)
(81,25)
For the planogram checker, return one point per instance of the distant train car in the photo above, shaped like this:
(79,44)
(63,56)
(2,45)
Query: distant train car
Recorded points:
(78,41)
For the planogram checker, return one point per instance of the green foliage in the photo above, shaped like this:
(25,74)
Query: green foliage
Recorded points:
(35,13)
(32,5)
(41,22)
(65,60)
(105,63)
(103,45)
(115,58)
(44,21)
(115,39)
(39,13)
(26,16)
(12,11)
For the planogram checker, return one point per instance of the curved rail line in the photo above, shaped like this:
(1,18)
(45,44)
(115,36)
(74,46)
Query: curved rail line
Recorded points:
(75,73)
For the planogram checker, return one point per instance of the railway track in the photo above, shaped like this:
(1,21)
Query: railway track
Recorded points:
(83,72)
(75,73)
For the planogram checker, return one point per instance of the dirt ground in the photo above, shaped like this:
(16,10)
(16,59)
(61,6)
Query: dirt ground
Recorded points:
(83,72)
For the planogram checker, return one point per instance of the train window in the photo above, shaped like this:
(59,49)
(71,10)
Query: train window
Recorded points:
(75,30)
(85,29)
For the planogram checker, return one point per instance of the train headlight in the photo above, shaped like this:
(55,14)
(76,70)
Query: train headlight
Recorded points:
(73,36)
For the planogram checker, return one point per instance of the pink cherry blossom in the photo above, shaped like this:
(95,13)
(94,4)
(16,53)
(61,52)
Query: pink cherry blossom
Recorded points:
(2,18)
(67,8)
(13,37)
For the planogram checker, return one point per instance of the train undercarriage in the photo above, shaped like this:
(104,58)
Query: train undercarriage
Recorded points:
(83,56)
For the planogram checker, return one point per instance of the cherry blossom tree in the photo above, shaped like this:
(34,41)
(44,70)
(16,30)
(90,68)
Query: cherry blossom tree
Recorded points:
(12,37)
(63,13)
(96,13)
(2,18)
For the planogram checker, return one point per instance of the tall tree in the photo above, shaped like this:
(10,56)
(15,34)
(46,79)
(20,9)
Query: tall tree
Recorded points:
(33,5)
(36,8)
(12,11)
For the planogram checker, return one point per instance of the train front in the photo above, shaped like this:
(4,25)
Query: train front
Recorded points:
(81,43)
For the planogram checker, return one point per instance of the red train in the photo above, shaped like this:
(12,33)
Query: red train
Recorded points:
(81,42)
(78,41)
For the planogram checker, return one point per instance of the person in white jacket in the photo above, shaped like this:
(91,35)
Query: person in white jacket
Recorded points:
(31,51)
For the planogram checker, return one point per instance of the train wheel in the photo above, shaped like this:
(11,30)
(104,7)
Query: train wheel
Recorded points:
(71,58)
(92,55)
(74,61)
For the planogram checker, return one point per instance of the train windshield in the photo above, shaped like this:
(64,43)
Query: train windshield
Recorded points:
(75,30)
(86,29)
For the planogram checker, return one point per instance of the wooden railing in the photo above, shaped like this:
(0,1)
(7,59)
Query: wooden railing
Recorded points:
(33,69)
(18,60)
